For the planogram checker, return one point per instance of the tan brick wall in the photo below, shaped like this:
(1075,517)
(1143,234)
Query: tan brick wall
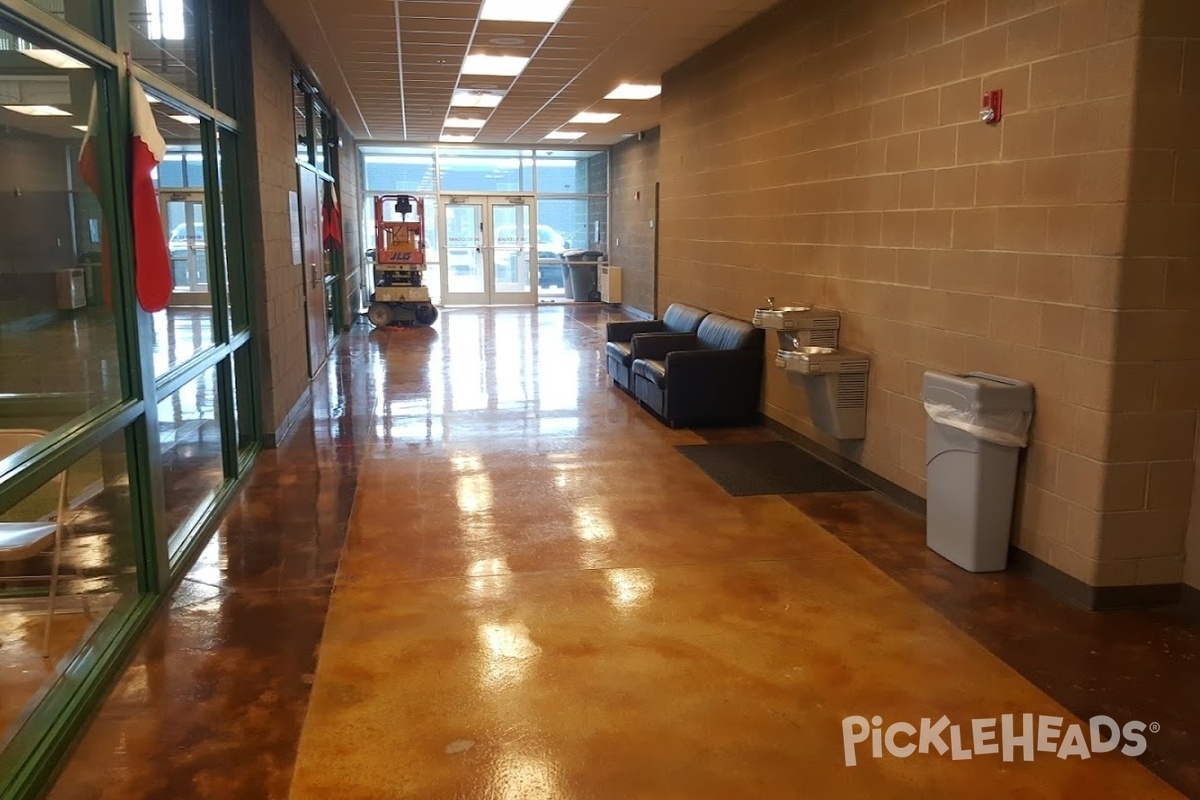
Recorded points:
(830,153)
(281,311)
(635,168)
(1158,332)
(351,224)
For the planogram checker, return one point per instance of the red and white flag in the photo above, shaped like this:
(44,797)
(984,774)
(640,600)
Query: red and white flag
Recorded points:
(152,259)
(333,219)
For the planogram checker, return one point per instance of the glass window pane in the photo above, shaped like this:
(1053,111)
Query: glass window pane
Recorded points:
(486,170)
(575,222)
(510,247)
(231,231)
(189,432)
(399,169)
(58,334)
(464,248)
(84,515)
(185,327)
(224,16)
(320,150)
(83,14)
(330,263)
(164,40)
(572,172)
(300,106)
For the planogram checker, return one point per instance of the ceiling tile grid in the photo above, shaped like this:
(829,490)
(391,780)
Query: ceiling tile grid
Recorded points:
(392,67)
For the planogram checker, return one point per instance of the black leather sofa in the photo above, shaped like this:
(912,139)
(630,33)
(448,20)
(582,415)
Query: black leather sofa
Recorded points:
(711,376)
(679,318)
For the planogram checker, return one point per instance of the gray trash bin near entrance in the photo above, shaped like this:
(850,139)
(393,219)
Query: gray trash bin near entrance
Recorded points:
(582,277)
(977,425)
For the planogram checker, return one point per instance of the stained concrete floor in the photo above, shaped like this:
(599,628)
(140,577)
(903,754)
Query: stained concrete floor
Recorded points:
(477,570)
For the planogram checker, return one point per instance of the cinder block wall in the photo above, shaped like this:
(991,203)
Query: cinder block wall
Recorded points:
(351,225)
(1156,386)
(831,153)
(635,168)
(282,334)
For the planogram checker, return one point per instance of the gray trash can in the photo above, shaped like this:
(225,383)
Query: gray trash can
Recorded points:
(977,425)
(568,290)
(582,276)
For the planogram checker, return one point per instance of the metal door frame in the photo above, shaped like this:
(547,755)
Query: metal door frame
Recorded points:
(487,203)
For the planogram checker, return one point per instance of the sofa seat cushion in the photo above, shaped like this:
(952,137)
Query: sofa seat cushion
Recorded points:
(652,370)
(621,351)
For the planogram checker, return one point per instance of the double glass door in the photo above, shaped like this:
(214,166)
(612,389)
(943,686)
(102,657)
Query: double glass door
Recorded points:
(487,251)
(183,214)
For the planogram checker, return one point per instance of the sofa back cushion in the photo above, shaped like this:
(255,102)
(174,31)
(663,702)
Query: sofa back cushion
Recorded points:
(718,332)
(683,319)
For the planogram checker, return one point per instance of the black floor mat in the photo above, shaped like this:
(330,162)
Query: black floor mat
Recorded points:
(767,468)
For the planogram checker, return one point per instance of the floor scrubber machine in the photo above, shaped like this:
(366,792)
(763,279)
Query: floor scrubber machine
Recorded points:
(399,297)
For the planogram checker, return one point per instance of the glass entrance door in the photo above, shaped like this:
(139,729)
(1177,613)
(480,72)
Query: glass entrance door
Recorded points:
(487,251)
(183,214)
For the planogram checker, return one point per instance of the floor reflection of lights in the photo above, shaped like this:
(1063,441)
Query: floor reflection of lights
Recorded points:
(474,494)
(489,578)
(520,776)
(212,563)
(592,524)
(629,588)
(506,654)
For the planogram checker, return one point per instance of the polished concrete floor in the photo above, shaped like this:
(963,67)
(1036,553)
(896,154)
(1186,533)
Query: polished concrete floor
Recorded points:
(477,570)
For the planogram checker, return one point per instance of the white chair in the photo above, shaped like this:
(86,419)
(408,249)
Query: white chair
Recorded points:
(22,540)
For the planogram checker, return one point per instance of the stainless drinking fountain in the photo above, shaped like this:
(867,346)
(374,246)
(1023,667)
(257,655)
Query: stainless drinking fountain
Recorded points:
(799,326)
(835,382)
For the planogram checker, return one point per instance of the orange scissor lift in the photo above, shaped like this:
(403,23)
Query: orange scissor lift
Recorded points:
(399,297)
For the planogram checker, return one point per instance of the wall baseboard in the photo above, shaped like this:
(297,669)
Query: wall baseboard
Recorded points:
(897,494)
(273,439)
(1073,590)
(1094,598)
(636,312)
(1189,600)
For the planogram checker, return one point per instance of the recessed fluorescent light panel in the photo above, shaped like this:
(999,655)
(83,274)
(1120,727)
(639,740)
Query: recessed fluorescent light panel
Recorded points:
(55,58)
(455,138)
(39,111)
(186,119)
(506,66)
(593,118)
(524,10)
(80,128)
(565,136)
(635,91)
(462,122)
(464,98)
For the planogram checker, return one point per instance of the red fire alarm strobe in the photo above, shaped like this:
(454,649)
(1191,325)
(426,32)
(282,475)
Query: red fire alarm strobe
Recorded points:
(991,111)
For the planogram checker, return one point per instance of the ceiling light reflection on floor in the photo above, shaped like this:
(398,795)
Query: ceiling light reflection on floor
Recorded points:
(506,652)
(593,525)
(474,494)
(629,587)
(517,776)
(489,578)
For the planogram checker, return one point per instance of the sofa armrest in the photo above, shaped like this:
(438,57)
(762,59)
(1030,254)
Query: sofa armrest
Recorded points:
(707,385)
(656,346)
(625,331)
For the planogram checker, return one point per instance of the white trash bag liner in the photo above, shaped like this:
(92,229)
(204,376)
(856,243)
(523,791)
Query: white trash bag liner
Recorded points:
(1009,428)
